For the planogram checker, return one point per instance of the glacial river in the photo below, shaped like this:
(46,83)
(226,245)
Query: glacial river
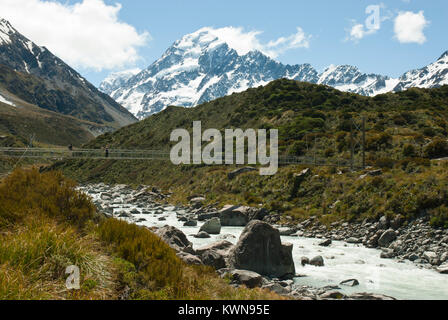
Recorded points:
(402,280)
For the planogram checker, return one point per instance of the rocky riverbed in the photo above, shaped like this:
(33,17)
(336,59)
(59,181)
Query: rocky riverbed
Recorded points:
(311,260)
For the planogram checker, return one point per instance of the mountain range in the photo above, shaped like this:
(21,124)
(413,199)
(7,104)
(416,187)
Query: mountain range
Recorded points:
(36,76)
(201,67)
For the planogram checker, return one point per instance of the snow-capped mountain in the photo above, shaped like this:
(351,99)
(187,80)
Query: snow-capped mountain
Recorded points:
(201,67)
(51,84)
(434,75)
(198,68)
(116,80)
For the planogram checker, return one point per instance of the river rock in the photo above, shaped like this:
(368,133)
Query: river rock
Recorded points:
(383,223)
(190,223)
(350,282)
(260,249)
(197,202)
(204,216)
(189,258)
(277,288)
(317,261)
(223,247)
(443,269)
(387,238)
(332,294)
(175,239)
(202,235)
(325,243)
(285,231)
(212,226)
(304,261)
(353,240)
(248,278)
(213,259)
(369,296)
(234,216)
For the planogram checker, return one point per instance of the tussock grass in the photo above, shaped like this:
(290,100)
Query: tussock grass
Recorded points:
(150,269)
(46,226)
(26,192)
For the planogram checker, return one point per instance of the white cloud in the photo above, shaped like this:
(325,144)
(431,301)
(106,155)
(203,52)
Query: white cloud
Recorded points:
(87,34)
(409,27)
(358,31)
(244,42)
(298,40)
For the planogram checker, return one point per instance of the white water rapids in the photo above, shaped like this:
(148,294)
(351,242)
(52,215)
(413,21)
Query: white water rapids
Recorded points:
(402,280)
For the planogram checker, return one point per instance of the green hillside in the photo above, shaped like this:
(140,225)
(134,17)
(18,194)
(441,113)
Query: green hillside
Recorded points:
(403,132)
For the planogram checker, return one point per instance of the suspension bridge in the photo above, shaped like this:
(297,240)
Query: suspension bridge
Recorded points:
(59,154)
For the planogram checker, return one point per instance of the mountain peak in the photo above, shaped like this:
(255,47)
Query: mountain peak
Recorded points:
(6,29)
(443,56)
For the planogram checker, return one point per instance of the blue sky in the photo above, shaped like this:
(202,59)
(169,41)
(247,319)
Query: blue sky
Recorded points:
(326,23)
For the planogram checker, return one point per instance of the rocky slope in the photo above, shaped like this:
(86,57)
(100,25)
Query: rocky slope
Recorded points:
(51,84)
(201,67)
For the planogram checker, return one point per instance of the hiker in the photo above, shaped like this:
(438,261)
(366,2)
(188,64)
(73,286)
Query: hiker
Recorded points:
(107,152)
(70,147)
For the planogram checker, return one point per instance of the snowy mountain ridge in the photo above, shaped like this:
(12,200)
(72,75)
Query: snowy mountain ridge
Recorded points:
(202,66)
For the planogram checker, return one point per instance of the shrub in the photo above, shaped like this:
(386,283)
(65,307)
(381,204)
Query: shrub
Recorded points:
(385,163)
(436,149)
(409,151)
(26,192)
(298,148)
(151,256)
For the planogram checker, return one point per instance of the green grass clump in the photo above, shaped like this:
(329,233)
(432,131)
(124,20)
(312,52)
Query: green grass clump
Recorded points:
(150,255)
(26,192)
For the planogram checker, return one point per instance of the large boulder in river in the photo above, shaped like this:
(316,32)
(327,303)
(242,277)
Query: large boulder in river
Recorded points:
(212,226)
(234,216)
(175,238)
(259,249)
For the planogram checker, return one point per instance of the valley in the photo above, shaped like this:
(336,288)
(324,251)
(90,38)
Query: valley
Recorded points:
(356,207)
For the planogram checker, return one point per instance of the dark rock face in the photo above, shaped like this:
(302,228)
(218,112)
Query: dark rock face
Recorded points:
(260,249)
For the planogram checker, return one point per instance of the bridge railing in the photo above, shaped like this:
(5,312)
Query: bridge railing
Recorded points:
(126,154)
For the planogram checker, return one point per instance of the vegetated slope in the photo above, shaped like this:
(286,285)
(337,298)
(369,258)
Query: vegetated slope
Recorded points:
(18,124)
(403,131)
(38,77)
(47,225)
